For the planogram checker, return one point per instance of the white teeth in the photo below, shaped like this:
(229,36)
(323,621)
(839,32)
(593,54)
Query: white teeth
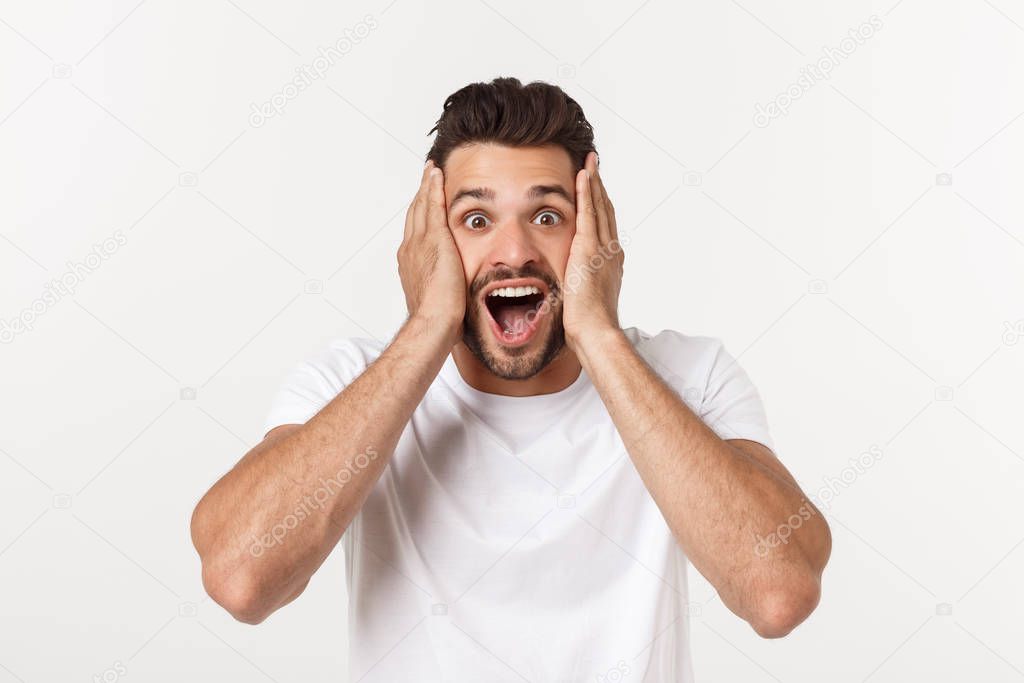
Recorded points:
(514,291)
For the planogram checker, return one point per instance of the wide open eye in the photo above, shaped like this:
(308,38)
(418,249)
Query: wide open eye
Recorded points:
(476,221)
(548,218)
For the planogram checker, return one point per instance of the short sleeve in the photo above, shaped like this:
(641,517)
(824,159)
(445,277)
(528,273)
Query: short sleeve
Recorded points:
(731,405)
(709,380)
(314,383)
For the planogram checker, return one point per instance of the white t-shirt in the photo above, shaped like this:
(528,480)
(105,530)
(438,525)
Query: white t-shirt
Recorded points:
(511,538)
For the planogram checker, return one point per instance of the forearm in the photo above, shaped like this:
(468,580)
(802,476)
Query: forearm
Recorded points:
(269,523)
(717,500)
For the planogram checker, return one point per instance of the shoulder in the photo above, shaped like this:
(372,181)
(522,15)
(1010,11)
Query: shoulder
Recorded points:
(344,355)
(312,383)
(672,341)
(709,379)
(687,356)
(337,363)
(360,348)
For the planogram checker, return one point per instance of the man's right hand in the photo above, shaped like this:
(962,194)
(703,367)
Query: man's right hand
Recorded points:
(429,263)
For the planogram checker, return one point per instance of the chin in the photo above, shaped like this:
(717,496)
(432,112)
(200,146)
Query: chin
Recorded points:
(513,322)
(518,353)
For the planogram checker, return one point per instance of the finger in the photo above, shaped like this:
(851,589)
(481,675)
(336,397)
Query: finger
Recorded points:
(606,202)
(437,217)
(613,227)
(410,214)
(599,199)
(586,218)
(408,221)
(419,210)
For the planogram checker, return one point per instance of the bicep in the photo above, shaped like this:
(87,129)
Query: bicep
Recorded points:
(765,457)
(272,437)
(279,432)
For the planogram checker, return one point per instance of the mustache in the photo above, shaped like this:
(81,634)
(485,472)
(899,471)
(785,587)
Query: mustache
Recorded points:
(506,273)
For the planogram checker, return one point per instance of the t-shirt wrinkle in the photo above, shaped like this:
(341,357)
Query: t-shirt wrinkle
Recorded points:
(514,534)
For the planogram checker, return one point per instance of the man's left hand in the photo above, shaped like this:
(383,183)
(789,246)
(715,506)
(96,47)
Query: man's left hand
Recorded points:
(593,274)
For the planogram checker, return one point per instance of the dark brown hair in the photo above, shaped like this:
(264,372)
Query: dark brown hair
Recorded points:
(507,112)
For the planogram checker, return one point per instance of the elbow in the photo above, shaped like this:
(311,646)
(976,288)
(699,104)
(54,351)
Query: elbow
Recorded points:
(782,610)
(235,590)
(238,594)
(785,604)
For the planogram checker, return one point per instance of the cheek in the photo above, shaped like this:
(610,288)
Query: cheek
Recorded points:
(470,260)
(559,254)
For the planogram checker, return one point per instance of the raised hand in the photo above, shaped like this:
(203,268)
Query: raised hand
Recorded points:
(429,263)
(593,274)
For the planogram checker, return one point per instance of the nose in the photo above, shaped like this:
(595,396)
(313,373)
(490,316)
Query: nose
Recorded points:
(512,245)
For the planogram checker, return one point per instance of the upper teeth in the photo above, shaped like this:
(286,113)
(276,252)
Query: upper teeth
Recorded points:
(514,291)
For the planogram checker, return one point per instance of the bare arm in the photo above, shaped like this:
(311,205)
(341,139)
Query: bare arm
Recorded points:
(253,563)
(718,497)
(267,525)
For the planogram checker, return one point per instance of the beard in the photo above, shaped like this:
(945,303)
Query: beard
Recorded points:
(521,362)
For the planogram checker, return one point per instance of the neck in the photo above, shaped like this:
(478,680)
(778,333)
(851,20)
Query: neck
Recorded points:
(557,375)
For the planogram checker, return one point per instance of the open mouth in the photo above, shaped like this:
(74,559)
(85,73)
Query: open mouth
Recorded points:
(515,311)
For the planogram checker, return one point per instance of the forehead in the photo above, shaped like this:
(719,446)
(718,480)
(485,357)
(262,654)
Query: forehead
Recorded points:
(499,166)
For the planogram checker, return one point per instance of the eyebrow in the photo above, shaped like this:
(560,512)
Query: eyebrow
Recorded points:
(486,194)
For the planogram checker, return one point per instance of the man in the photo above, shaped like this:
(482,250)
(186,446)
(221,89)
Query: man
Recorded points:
(518,483)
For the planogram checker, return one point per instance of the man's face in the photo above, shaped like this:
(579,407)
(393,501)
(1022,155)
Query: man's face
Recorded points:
(512,211)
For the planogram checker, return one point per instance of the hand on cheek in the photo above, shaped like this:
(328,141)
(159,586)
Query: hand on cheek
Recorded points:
(429,263)
(593,273)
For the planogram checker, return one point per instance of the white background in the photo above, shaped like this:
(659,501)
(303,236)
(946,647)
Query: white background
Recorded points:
(872,302)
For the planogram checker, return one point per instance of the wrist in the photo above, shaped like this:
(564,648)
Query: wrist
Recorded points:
(587,343)
(445,330)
